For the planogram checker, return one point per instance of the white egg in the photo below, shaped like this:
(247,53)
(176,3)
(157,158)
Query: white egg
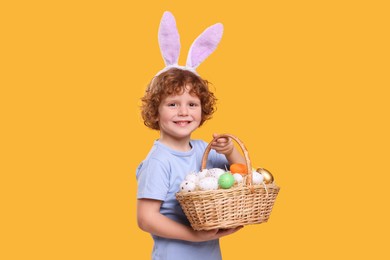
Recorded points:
(187,186)
(208,183)
(192,177)
(215,172)
(257,178)
(203,173)
(237,177)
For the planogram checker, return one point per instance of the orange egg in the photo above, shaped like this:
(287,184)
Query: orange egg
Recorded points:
(238,168)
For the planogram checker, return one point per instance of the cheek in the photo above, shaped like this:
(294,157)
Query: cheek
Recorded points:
(165,115)
(199,115)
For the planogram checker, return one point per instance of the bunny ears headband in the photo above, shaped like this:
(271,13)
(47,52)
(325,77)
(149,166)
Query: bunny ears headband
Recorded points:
(201,48)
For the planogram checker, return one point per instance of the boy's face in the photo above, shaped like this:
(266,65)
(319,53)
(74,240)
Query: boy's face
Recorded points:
(179,116)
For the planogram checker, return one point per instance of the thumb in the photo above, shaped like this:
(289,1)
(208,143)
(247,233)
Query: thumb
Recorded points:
(215,135)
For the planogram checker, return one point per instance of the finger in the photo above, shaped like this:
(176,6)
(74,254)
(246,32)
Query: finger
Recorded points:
(227,139)
(219,144)
(213,231)
(222,140)
(232,230)
(239,227)
(225,232)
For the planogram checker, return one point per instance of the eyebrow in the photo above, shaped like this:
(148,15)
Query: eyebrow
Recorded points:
(193,100)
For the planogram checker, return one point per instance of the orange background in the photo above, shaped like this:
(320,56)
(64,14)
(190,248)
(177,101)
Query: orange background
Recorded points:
(304,84)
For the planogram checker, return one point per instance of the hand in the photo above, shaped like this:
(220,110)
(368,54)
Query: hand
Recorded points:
(206,235)
(222,145)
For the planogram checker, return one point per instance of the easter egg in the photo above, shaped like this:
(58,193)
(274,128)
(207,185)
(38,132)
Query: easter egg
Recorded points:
(192,177)
(268,178)
(203,173)
(237,177)
(257,178)
(226,180)
(215,172)
(238,168)
(187,186)
(208,183)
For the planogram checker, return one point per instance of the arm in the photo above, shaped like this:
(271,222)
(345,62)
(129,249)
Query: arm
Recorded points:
(225,146)
(151,220)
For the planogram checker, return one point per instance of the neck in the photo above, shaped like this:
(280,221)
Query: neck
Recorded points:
(182,144)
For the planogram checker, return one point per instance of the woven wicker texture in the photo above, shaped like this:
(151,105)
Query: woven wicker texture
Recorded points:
(227,208)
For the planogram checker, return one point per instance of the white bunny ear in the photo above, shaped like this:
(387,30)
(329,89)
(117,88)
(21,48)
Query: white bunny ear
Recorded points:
(169,39)
(204,45)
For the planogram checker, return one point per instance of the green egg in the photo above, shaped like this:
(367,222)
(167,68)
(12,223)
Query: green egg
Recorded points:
(226,180)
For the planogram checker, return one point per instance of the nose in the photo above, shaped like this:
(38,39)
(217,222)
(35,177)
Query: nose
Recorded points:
(183,111)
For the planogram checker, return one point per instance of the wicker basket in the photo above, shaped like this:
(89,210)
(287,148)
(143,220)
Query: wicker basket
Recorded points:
(228,208)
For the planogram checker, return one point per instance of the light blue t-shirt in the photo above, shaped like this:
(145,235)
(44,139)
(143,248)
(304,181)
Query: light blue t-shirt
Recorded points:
(159,177)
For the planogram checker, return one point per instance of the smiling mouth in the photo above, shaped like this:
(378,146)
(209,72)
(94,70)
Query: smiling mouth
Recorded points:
(182,123)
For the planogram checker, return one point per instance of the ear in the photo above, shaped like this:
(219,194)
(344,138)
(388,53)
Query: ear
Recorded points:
(169,39)
(204,45)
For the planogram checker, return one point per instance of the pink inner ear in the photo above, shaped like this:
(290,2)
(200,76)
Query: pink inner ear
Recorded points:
(169,39)
(204,45)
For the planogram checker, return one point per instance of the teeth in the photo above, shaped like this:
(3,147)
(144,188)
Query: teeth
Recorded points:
(182,123)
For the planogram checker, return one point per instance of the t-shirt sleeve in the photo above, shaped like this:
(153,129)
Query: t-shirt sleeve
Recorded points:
(153,180)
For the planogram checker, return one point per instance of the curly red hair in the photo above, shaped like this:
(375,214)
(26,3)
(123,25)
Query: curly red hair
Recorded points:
(173,82)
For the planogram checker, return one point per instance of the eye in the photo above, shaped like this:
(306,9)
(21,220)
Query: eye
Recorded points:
(171,104)
(194,104)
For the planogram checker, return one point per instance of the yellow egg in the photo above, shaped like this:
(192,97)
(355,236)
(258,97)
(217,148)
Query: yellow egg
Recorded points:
(268,178)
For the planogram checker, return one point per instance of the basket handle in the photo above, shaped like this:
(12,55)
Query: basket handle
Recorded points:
(243,148)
